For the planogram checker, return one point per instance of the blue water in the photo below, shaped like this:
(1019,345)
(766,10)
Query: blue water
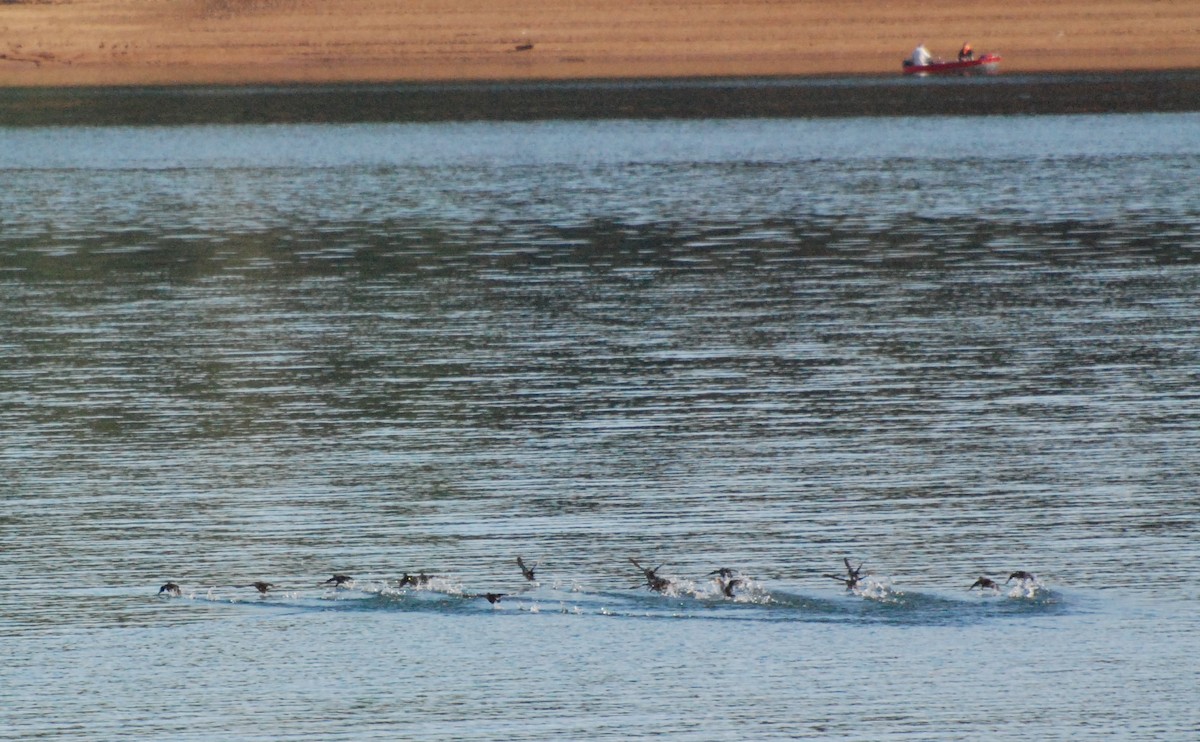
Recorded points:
(942,347)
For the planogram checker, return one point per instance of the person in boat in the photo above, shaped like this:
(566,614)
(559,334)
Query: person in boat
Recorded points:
(966,53)
(920,56)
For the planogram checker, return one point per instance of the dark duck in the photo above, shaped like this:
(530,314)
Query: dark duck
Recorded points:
(727,579)
(407,580)
(653,581)
(853,575)
(984,583)
(526,570)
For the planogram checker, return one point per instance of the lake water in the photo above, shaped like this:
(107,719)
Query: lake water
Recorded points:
(943,347)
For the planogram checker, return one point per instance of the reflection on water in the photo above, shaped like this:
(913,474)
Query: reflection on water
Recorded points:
(946,347)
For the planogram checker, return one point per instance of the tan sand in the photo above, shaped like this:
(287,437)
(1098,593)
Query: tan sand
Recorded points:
(137,42)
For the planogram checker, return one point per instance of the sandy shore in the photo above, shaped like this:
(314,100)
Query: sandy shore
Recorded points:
(233,42)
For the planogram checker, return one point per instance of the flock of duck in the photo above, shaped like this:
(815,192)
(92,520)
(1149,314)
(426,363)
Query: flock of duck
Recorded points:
(854,576)
(727,580)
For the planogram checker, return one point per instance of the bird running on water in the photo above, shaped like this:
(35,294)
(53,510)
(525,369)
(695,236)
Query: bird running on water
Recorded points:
(853,574)
(407,580)
(653,581)
(262,587)
(526,570)
(984,583)
(727,579)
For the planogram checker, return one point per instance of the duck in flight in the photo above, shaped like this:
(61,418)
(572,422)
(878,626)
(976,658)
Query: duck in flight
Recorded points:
(526,570)
(1021,575)
(338,580)
(984,583)
(262,587)
(853,574)
(727,585)
(171,589)
(653,581)
(727,579)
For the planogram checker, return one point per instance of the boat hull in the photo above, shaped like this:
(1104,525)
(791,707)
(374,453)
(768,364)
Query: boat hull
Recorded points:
(987,64)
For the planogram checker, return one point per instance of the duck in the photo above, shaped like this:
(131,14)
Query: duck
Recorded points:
(853,574)
(415,580)
(984,583)
(526,570)
(171,589)
(492,598)
(727,580)
(262,587)
(1022,575)
(653,581)
(338,580)
(727,585)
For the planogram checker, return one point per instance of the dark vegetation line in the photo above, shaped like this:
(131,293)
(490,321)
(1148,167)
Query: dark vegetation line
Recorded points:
(649,99)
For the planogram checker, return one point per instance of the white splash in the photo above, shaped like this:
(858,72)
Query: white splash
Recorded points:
(1026,589)
(877,589)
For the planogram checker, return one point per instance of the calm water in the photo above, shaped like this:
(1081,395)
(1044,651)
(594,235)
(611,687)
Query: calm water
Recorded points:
(944,347)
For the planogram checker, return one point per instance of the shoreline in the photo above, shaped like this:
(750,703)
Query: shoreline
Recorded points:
(640,98)
(116,43)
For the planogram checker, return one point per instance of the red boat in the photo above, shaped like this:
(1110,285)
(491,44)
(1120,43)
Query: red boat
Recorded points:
(986,64)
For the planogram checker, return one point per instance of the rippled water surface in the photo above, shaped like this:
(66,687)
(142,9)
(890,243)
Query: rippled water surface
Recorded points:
(945,348)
